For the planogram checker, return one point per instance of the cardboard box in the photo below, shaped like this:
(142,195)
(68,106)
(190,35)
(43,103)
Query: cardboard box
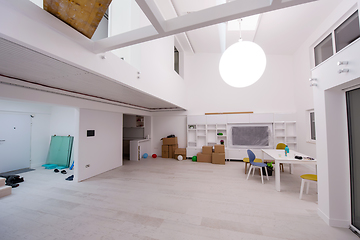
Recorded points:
(172,149)
(180,151)
(219,148)
(164,151)
(170,141)
(203,157)
(218,158)
(207,149)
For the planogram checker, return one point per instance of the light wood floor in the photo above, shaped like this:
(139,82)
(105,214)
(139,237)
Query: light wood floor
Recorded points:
(163,199)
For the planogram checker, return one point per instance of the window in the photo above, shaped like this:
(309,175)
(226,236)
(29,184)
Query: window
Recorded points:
(176,60)
(347,32)
(312,126)
(323,50)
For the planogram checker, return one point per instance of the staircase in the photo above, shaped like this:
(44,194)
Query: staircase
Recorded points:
(4,190)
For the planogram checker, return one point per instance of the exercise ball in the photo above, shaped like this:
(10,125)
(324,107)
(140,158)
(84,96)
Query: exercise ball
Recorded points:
(194,158)
(145,155)
(154,155)
(180,158)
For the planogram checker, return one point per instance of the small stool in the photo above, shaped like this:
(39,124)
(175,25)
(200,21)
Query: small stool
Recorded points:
(246,161)
(307,178)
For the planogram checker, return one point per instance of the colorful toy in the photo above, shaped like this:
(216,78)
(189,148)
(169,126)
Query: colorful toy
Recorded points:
(180,158)
(145,155)
(194,158)
(154,155)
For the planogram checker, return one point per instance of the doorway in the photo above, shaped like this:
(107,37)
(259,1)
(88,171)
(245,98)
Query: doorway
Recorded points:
(353,114)
(15,137)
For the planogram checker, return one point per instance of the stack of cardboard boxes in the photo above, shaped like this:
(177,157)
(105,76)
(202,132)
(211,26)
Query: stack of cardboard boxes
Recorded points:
(168,147)
(208,155)
(205,155)
(218,156)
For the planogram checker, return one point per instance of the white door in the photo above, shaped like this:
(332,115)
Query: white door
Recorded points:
(15,132)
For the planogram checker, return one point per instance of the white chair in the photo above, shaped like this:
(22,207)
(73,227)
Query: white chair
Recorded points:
(306,179)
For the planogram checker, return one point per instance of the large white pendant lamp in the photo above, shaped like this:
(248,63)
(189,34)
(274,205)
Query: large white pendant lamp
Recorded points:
(242,64)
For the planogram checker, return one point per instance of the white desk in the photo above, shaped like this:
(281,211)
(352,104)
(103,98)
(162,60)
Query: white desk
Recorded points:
(279,157)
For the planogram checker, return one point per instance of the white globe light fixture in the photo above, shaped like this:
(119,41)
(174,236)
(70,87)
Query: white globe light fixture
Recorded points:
(242,64)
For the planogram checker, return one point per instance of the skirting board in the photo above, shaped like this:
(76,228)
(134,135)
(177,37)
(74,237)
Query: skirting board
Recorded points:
(334,222)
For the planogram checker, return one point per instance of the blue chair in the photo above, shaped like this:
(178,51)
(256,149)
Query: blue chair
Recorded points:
(254,165)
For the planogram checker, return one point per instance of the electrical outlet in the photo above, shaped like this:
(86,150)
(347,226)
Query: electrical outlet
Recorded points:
(87,165)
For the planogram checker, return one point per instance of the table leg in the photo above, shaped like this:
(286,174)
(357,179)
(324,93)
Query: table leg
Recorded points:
(277,176)
(291,168)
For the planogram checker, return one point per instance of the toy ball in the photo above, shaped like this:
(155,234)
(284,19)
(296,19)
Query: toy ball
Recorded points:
(194,158)
(145,155)
(154,155)
(180,158)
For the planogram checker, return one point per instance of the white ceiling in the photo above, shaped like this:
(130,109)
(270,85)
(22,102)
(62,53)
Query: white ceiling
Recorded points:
(279,32)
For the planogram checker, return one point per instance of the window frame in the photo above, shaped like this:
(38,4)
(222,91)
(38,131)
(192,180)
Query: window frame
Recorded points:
(309,126)
(331,31)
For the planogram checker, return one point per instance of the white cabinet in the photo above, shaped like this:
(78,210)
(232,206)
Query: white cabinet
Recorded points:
(285,132)
(209,130)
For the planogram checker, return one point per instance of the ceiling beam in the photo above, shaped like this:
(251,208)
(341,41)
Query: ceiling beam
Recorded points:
(152,12)
(207,17)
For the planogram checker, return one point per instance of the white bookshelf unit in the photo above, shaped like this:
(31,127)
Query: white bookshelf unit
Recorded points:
(208,130)
(285,132)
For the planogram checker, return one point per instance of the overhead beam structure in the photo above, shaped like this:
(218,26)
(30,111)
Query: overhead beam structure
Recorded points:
(162,28)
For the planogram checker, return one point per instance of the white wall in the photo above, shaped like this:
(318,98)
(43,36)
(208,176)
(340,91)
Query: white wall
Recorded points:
(102,152)
(207,92)
(330,116)
(40,139)
(165,124)
(303,99)
(64,121)
(40,127)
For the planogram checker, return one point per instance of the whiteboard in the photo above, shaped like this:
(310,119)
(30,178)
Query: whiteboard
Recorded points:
(251,136)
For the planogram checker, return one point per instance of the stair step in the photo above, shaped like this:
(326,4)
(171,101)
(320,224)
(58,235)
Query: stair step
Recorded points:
(4,191)
(2,181)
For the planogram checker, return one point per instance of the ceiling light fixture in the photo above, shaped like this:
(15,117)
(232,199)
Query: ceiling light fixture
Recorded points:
(242,64)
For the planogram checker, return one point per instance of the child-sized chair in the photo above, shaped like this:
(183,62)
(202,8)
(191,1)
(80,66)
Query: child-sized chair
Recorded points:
(307,178)
(254,165)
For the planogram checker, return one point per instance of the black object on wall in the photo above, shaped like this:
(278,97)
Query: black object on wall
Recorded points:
(90,133)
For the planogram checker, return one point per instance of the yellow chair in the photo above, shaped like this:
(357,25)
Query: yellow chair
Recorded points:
(246,161)
(307,178)
(281,146)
